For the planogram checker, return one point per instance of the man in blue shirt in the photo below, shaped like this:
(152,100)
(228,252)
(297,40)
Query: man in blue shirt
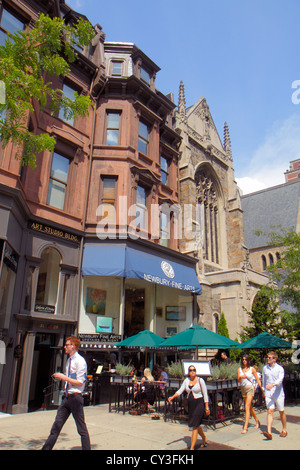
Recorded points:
(72,403)
(272,384)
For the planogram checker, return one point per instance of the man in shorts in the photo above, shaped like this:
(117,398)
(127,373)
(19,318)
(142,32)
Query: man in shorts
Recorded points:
(273,375)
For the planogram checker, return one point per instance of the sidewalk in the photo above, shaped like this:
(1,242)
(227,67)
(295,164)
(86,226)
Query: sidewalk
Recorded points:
(115,431)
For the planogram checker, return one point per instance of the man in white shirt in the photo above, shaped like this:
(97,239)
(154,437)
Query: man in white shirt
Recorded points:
(272,384)
(75,377)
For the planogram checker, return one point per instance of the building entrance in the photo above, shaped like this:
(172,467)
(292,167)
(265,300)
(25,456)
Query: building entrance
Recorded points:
(134,311)
(44,358)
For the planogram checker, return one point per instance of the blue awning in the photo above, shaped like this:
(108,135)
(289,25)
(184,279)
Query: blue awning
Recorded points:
(123,261)
(103,260)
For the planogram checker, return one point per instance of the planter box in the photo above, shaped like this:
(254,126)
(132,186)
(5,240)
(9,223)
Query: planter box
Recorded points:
(222,384)
(121,379)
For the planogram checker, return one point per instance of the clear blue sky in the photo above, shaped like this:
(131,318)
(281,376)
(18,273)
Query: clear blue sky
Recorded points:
(241,55)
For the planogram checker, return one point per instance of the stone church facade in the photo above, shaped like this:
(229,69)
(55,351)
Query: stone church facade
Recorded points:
(216,237)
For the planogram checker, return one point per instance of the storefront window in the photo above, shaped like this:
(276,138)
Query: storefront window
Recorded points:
(48,279)
(100,307)
(7,284)
(28,289)
(174,311)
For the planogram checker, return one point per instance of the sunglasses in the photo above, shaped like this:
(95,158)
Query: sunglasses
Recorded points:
(192,370)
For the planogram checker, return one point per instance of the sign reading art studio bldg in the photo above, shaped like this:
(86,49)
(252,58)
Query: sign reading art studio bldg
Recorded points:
(57,233)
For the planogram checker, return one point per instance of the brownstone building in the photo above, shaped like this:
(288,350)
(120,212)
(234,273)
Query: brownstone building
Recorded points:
(87,238)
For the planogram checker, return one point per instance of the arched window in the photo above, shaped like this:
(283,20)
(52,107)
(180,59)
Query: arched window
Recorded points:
(216,322)
(207,197)
(271,259)
(48,280)
(264,262)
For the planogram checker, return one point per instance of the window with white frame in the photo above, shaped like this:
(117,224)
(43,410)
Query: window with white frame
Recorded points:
(164,228)
(69,93)
(58,181)
(116,68)
(143,144)
(141,207)
(164,170)
(112,128)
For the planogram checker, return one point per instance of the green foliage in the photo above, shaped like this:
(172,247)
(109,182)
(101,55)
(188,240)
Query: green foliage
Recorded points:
(264,317)
(222,326)
(123,369)
(285,275)
(228,371)
(175,370)
(225,371)
(27,60)
(235,353)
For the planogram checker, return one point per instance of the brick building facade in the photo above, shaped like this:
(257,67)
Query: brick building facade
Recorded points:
(114,231)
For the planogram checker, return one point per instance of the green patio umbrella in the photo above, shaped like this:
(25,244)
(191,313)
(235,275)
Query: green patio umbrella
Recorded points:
(265,341)
(144,339)
(200,337)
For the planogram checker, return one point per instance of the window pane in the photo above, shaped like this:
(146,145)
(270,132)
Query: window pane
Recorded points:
(164,178)
(56,194)
(113,120)
(112,131)
(143,130)
(164,164)
(142,146)
(10,23)
(145,75)
(3,38)
(69,93)
(117,68)
(141,196)
(47,286)
(60,168)
(109,185)
(112,137)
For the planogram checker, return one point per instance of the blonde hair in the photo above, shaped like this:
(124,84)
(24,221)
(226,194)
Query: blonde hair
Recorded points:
(148,375)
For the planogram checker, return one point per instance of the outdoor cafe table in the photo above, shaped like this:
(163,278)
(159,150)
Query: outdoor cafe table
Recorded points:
(224,396)
(225,401)
(122,396)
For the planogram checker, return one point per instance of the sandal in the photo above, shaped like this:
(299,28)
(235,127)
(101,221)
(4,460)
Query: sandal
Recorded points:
(283,434)
(204,444)
(268,435)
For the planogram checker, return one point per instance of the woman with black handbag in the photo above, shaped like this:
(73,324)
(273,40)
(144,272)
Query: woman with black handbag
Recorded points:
(197,404)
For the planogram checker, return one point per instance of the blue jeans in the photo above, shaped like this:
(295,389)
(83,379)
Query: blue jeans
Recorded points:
(73,404)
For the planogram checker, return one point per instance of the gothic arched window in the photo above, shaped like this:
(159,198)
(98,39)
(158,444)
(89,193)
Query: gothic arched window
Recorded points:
(207,197)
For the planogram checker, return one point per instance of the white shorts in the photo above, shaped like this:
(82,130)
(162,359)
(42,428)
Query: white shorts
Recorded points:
(278,401)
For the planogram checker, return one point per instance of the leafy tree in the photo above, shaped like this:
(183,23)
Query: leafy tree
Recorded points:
(28,61)
(264,316)
(222,326)
(285,275)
